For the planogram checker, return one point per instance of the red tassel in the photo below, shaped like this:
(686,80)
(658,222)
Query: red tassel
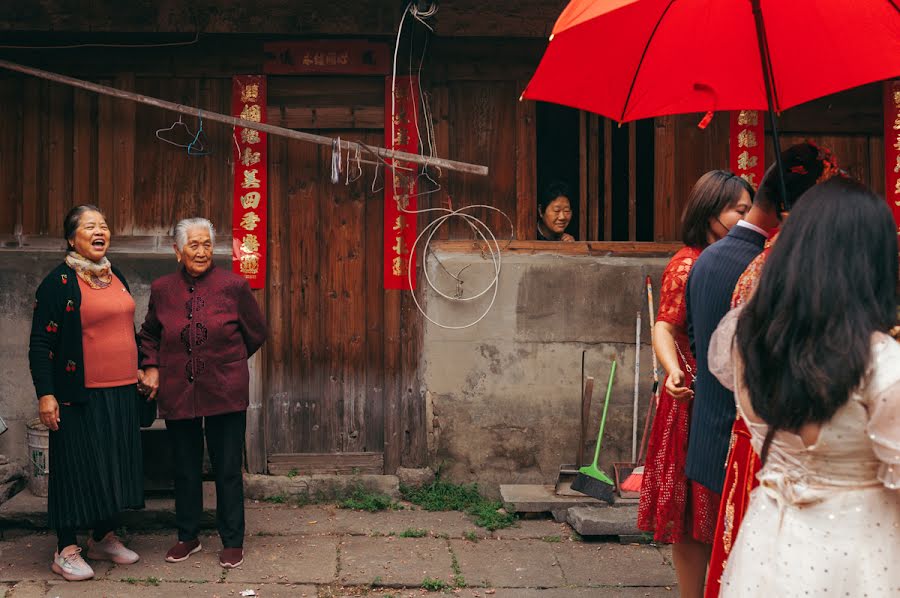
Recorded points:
(706,120)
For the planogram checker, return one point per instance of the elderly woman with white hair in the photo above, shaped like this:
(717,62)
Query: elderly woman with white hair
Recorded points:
(202,325)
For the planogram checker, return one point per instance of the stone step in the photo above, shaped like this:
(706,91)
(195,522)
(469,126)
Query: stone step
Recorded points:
(600,521)
(539,498)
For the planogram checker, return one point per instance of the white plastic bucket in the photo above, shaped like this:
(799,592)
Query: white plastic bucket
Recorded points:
(37,439)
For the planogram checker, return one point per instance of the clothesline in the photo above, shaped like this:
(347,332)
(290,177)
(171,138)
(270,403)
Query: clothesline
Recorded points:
(247,124)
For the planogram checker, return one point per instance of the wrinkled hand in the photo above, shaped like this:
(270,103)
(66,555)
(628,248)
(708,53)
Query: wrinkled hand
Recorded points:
(567,238)
(676,387)
(49,412)
(148,382)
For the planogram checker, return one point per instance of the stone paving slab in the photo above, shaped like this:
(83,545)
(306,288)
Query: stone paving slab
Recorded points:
(586,564)
(451,524)
(118,589)
(599,592)
(202,566)
(509,563)
(29,558)
(534,529)
(394,561)
(287,559)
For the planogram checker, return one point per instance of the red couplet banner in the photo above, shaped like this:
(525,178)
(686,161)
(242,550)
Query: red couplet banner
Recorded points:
(892,147)
(746,141)
(249,220)
(400,185)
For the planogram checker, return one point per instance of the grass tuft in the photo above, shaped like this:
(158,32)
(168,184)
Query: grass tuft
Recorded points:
(361,499)
(444,496)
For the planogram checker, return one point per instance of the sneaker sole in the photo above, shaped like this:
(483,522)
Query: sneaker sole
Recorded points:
(231,565)
(172,559)
(68,576)
(117,560)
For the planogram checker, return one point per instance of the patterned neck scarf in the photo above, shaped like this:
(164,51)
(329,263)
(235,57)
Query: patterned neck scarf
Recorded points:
(98,275)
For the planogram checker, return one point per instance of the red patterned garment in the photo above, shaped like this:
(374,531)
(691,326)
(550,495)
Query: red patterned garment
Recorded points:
(743,463)
(671,506)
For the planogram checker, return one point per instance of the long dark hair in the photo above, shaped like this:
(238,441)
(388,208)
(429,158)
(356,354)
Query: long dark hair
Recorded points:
(714,192)
(829,283)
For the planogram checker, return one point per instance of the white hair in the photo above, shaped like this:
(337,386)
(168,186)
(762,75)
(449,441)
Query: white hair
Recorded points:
(183,226)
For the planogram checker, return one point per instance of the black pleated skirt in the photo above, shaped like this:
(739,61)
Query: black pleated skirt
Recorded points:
(96,467)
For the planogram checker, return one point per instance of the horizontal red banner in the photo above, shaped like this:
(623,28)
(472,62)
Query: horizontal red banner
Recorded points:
(350,57)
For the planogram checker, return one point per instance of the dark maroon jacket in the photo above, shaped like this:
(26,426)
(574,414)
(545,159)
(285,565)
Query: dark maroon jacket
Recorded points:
(199,332)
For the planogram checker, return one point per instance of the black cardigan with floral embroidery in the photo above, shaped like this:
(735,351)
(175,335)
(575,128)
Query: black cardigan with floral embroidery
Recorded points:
(55,353)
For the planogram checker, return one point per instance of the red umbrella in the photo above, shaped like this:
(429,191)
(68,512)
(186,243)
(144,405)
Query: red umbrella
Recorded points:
(632,59)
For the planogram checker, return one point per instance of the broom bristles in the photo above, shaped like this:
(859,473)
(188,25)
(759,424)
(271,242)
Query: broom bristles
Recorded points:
(633,482)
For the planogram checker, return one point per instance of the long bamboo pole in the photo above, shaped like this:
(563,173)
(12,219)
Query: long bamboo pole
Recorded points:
(239,122)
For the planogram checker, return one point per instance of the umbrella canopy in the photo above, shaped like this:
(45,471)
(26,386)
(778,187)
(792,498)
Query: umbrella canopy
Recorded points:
(632,59)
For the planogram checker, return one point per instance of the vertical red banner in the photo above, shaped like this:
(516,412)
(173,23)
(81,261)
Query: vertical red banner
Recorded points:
(746,141)
(400,185)
(892,147)
(249,220)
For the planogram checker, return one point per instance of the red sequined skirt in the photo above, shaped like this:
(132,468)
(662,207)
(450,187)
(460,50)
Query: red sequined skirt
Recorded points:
(673,507)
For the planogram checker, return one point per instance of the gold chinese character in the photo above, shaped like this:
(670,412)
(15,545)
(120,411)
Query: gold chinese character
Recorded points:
(400,223)
(252,112)
(249,157)
(307,59)
(897,143)
(745,161)
(400,246)
(402,201)
(897,98)
(897,187)
(250,93)
(319,59)
(748,117)
(897,123)
(897,165)
(250,201)
(250,244)
(331,58)
(250,136)
(399,265)
(250,180)
(750,178)
(250,263)
(249,221)
(343,58)
(746,138)
(401,137)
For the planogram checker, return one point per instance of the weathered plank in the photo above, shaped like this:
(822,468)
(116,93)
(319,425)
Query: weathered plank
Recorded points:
(11,151)
(665,216)
(393,382)
(607,180)
(123,158)
(618,248)
(632,181)
(325,463)
(595,198)
(84,148)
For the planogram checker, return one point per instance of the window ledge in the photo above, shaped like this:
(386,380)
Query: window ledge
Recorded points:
(591,248)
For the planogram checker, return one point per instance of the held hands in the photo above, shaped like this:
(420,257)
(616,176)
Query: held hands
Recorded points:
(567,238)
(148,382)
(676,387)
(49,412)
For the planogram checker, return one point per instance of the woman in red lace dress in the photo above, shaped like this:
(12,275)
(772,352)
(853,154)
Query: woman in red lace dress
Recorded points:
(675,509)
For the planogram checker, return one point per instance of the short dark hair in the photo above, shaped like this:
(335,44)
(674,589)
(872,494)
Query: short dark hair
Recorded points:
(714,192)
(829,283)
(70,223)
(803,164)
(551,192)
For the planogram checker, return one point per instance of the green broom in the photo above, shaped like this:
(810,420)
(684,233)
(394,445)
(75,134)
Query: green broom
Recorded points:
(591,480)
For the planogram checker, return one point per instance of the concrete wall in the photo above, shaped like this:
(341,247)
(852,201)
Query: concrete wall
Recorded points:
(504,395)
(20,274)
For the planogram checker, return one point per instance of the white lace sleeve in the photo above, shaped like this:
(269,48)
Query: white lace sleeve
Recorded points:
(721,358)
(884,410)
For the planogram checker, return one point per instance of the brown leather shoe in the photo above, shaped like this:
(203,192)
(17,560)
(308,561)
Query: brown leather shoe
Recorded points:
(231,557)
(182,550)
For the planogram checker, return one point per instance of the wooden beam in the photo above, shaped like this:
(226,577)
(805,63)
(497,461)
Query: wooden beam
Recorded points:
(607,179)
(526,173)
(333,463)
(583,161)
(632,181)
(665,223)
(594,199)
(247,124)
(594,248)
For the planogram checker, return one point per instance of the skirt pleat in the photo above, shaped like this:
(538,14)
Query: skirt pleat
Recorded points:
(96,467)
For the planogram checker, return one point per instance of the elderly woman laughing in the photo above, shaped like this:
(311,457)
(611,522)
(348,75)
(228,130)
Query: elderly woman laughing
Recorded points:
(201,327)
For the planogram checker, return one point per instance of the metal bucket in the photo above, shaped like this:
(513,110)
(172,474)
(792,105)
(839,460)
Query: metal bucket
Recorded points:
(37,439)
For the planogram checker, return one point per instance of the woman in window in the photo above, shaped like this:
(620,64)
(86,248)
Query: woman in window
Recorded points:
(554,213)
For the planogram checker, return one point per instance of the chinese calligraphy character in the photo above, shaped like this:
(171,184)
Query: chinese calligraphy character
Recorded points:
(250,180)
(319,59)
(402,202)
(897,166)
(746,138)
(343,58)
(249,157)
(331,58)
(399,266)
(249,221)
(400,247)
(307,59)
(252,112)
(897,143)
(748,117)
(250,200)
(745,161)
(897,123)
(750,178)
(897,187)
(250,263)
(250,93)
(250,136)
(250,244)
(400,223)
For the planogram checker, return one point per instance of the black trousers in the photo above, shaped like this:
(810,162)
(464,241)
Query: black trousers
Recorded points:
(225,441)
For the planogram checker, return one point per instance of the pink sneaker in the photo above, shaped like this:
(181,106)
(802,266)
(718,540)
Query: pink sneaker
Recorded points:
(70,565)
(110,548)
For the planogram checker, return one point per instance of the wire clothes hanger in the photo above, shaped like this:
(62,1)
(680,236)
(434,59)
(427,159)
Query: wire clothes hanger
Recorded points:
(177,126)
(199,146)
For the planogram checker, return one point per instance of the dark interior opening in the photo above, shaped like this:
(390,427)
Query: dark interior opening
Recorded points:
(557,154)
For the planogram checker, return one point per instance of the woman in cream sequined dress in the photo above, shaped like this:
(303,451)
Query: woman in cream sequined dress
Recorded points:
(817,380)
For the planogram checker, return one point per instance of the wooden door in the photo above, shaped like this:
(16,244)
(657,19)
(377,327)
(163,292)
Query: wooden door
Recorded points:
(324,408)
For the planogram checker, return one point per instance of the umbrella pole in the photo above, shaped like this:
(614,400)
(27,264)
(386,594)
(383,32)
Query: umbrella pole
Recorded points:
(770,97)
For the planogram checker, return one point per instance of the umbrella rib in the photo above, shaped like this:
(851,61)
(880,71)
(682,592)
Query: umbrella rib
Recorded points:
(637,71)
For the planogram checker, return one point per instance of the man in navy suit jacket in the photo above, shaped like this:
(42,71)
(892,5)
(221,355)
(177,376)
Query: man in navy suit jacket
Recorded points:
(710,287)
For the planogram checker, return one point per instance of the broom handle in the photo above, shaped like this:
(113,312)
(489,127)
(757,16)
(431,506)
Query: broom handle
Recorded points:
(612,374)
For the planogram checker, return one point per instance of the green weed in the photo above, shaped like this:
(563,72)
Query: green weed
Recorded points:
(412,532)
(435,585)
(147,581)
(361,499)
(444,496)
(552,539)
